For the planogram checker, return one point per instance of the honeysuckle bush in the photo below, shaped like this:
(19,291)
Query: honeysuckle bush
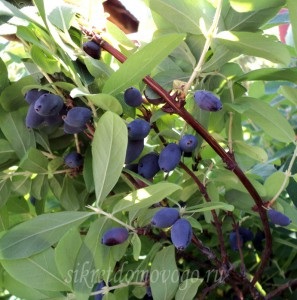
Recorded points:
(53,216)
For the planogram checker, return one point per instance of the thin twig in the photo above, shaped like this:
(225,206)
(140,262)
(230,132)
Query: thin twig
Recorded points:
(209,37)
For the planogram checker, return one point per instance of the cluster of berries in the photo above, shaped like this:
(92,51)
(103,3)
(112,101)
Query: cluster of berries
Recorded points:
(47,109)
(181,229)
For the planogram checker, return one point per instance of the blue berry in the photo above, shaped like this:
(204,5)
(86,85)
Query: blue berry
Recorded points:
(165,217)
(32,95)
(48,105)
(134,149)
(92,49)
(78,117)
(169,157)
(181,234)
(73,160)
(148,165)
(278,218)
(115,236)
(138,129)
(188,143)
(207,101)
(133,97)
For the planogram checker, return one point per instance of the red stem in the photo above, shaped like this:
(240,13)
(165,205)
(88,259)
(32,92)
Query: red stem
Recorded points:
(228,159)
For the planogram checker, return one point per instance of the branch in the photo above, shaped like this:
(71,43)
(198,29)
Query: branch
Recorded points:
(281,289)
(228,159)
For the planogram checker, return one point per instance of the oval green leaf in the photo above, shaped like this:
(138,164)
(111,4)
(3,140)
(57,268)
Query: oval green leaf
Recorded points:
(269,119)
(164,274)
(39,271)
(108,151)
(141,63)
(38,234)
(255,44)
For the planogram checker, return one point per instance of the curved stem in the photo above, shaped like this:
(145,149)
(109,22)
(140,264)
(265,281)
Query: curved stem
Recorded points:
(209,37)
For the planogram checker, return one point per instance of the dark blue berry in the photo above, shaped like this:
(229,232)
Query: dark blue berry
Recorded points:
(115,236)
(165,217)
(207,101)
(33,119)
(188,143)
(169,157)
(73,160)
(134,149)
(133,97)
(138,129)
(92,49)
(234,241)
(148,165)
(278,218)
(32,95)
(246,234)
(181,234)
(98,288)
(78,117)
(48,105)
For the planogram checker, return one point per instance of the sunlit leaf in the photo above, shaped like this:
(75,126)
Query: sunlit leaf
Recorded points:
(141,63)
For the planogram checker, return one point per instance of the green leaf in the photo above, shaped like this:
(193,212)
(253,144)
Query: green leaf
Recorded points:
(39,187)
(34,161)
(119,35)
(24,292)
(21,184)
(141,63)
(188,289)
(108,151)
(61,16)
(136,243)
(88,171)
(274,183)
(13,127)
(289,92)
(42,269)
(164,274)
(254,152)
(245,21)
(44,60)
(12,98)
(84,266)
(103,101)
(146,197)
(255,44)
(95,260)
(270,74)
(207,206)
(69,197)
(8,9)
(4,81)
(6,152)
(4,218)
(38,234)
(184,15)
(33,35)
(97,68)
(66,252)
(251,5)
(269,119)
